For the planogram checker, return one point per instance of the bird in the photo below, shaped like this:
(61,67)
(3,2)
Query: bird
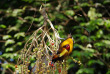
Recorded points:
(65,49)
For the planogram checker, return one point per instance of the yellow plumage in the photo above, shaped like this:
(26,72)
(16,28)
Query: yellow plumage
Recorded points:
(65,48)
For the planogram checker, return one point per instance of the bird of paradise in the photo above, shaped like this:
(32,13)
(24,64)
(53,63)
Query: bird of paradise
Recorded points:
(65,49)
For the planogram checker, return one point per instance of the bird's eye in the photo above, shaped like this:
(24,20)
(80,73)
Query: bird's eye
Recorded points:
(67,46)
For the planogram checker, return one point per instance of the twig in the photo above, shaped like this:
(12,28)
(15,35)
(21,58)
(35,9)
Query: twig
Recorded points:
(85,15)
(32,22)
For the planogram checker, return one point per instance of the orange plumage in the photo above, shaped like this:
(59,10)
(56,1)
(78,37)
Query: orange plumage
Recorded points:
(65,49)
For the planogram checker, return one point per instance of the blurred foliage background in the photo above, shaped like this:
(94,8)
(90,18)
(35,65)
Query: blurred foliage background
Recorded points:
(20,18)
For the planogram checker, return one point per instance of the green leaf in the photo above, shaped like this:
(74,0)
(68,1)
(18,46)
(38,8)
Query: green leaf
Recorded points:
(87,54)
(10,29)
(85,71)
(99,15)
(30,18)
(2,26)
(32,64)
(98,44)
(107,55)
(92,13)
(107,42)
(76,53)
(5,37)
(108,72)
(91,62)
(8,55)
(61,16)
(106,1)
(84,4)
(19,23)
(69,12)
(5,65)
(9,49)
(76,7)
(107,23)
(36,19)
(19,43)
(99,33)
(79,18)
(9,41)
(107,37)
(32,58)
(41,18)
(93,38)
(18,35)
(8,65)
(99,22)
(83,38)
(91,25)
(17,12)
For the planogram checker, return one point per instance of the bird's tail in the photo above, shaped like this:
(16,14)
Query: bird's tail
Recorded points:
(55,58)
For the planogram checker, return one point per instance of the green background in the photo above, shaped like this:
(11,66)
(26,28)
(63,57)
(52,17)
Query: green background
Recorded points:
(68,16)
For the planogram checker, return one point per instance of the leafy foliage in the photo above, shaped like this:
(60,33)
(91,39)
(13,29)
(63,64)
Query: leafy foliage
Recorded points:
(20,18)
